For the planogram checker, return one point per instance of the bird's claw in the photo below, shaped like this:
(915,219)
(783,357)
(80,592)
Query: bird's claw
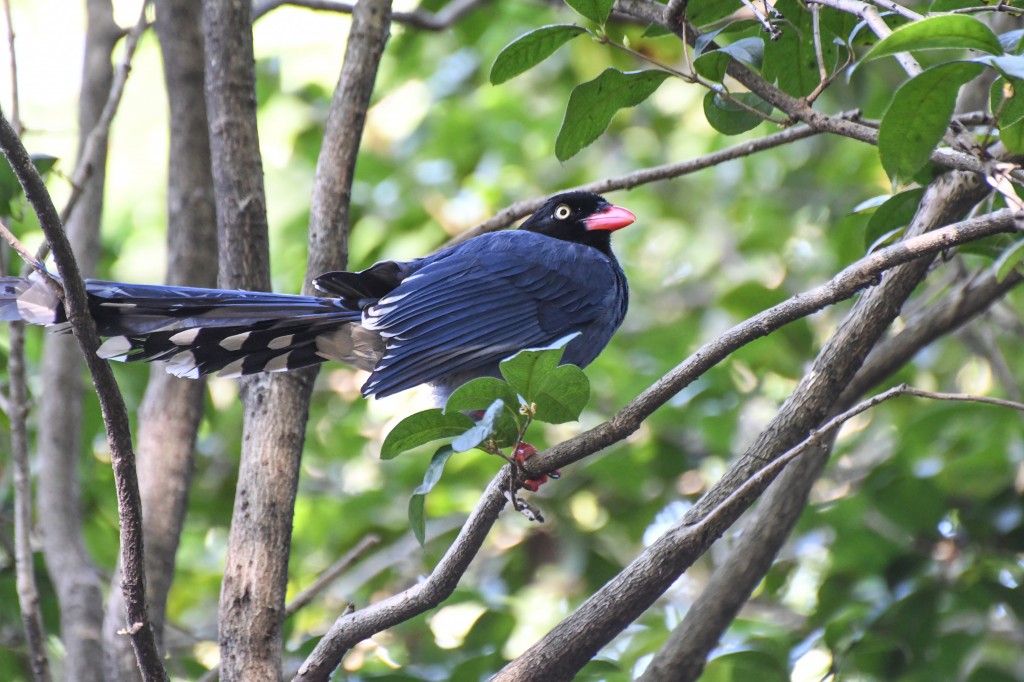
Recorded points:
(525,451)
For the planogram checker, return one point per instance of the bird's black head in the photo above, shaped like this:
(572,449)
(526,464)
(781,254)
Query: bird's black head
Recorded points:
(582,217)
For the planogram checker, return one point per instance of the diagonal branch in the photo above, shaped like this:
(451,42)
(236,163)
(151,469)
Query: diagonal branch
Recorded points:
(683,655)
(521,209)
(574,641)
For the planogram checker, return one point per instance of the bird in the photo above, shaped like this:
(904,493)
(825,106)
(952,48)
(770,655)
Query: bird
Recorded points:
(439,320)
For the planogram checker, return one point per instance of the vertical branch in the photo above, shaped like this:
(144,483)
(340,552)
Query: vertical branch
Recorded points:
(17,415)
(28,595)
(115,416)
(234,143)
(171,408)
(12,55)
(276,408)
(329,220)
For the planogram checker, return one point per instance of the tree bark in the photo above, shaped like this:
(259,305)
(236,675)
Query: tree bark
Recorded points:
(276,407)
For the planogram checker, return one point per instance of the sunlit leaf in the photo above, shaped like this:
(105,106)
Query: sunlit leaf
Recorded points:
(944,31)
(483,429)
(1006,99)
(917,118)
(592,105)
(421,428)
(531,49)
(560,392)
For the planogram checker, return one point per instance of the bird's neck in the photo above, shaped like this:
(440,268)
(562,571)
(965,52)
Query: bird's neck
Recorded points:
(600,240)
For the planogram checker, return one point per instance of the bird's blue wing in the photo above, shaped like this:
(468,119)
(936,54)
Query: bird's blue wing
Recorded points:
(501,294)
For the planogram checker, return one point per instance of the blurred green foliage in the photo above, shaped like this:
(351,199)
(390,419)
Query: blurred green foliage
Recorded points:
(908,562)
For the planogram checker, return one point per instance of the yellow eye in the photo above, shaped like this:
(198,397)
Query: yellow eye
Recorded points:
(563,212)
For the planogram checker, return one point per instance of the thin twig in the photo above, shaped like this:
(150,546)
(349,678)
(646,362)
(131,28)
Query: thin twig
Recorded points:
(325,579)
(899,9)
(418,18)
(752,488)
(870,16)
(13,56)
(17,415)
(1001,7)
(28,593)
(644,176)
(95,141)
(21,249)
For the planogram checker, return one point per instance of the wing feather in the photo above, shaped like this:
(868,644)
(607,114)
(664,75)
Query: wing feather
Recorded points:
(506,292)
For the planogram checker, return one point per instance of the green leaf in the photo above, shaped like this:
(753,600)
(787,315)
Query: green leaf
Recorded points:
(792,59)
(712,65)
(918,116)
(595,10)
(1006,97)
(729,118)
(945,31)
(481,431)
(745,665)
(10,188)
(530,49)
(895,214)
(478,394)
(417,518)
(423,427)
(656,31)
(592,105)
(1013,137)
(560,392)
(1009,260)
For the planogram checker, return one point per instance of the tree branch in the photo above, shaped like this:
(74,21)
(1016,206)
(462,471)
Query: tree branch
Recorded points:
(17,415)
(683,655)
(350,629)
(93,151)
(521,209)
(418,18)
(870,16)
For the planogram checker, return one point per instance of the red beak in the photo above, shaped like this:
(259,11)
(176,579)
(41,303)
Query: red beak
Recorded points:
(611,218)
